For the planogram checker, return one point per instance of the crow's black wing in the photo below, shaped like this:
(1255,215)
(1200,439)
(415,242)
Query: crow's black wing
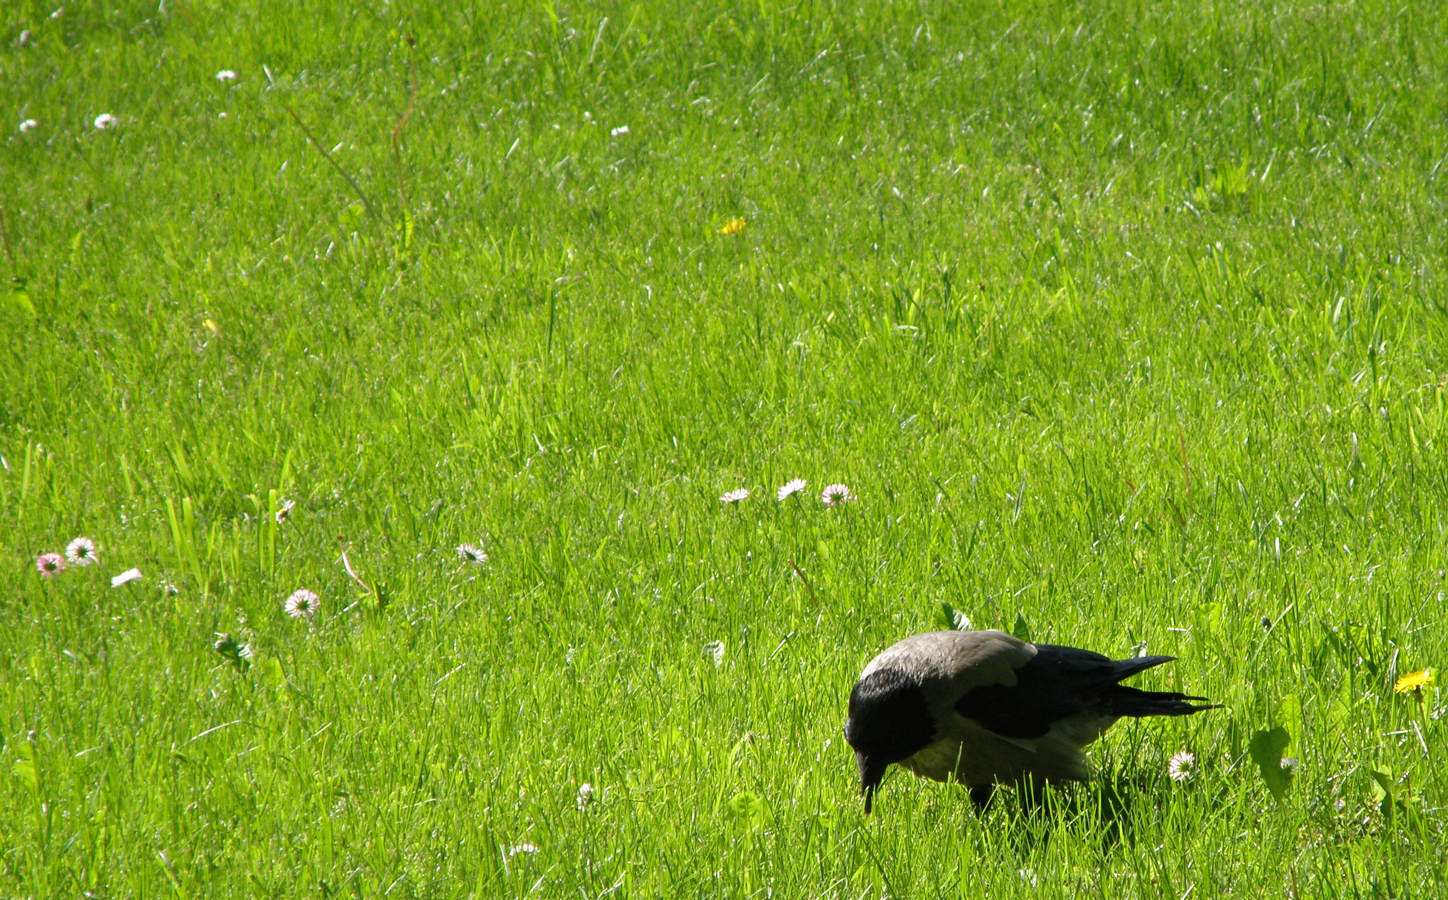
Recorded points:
(1057,683)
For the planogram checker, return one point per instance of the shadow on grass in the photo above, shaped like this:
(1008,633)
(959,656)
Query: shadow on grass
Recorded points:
(1111,805)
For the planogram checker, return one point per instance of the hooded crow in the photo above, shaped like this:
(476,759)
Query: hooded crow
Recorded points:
(983,708)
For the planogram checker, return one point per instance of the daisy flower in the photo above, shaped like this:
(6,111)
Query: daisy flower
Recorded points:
(125,577)
(836,494)
(1289,763)
(472,553)
(285,509)
(732,227)
(302,604)
(50,564)
(106,120)
(615,132)
(1182,766)
(1413,681)
(734,496)
(81,551)
(225,75)
(793,486)
(585,795)
(521,848)
(28,124)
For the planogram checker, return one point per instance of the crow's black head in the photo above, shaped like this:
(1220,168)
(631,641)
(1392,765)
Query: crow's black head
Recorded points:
(889,721)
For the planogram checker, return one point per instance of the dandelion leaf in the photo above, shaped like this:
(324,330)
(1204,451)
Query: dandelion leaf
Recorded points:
(26,767)
(271,670)
(747,808)
(1382,782)
(1021,629)
(1289,715)
(952,619)
(22,302)
(1383,792)
(1266,750)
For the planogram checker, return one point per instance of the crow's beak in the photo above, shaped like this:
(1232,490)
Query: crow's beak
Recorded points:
(870,774)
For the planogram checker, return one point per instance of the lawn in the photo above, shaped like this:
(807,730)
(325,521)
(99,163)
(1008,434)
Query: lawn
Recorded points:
(1126,326)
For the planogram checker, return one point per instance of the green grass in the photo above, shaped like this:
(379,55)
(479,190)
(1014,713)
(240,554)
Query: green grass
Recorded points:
(1129,322)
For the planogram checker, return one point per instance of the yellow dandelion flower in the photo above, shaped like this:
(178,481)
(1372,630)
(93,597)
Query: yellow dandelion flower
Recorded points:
(732,227)
(1414,681)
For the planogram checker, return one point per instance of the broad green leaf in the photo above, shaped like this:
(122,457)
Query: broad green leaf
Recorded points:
(1382,782)
(26,765)
(952,619)
(1021,629)
(1266,749)
(1289,716)
(271,671)
(747,808)
(22,302)
(1383,792)
(1210,617)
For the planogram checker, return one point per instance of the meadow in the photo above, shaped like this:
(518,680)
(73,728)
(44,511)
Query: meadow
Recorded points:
(1126,326)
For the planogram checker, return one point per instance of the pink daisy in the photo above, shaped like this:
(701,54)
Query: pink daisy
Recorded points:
(81,551)
(836,494)
(50,564)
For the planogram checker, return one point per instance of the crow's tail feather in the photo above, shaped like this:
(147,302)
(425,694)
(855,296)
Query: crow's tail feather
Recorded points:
(1130,701)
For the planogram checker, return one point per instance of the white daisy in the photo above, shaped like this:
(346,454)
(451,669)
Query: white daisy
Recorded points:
(585,795)
(125,577)
(472,553)
(225,75)
(106,120)
(615,132)
(793,486)
(522,848)
(302,604)
(734,496)
(1182,766)
(836,494)
(285,510)
(81,551)
(28,125)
